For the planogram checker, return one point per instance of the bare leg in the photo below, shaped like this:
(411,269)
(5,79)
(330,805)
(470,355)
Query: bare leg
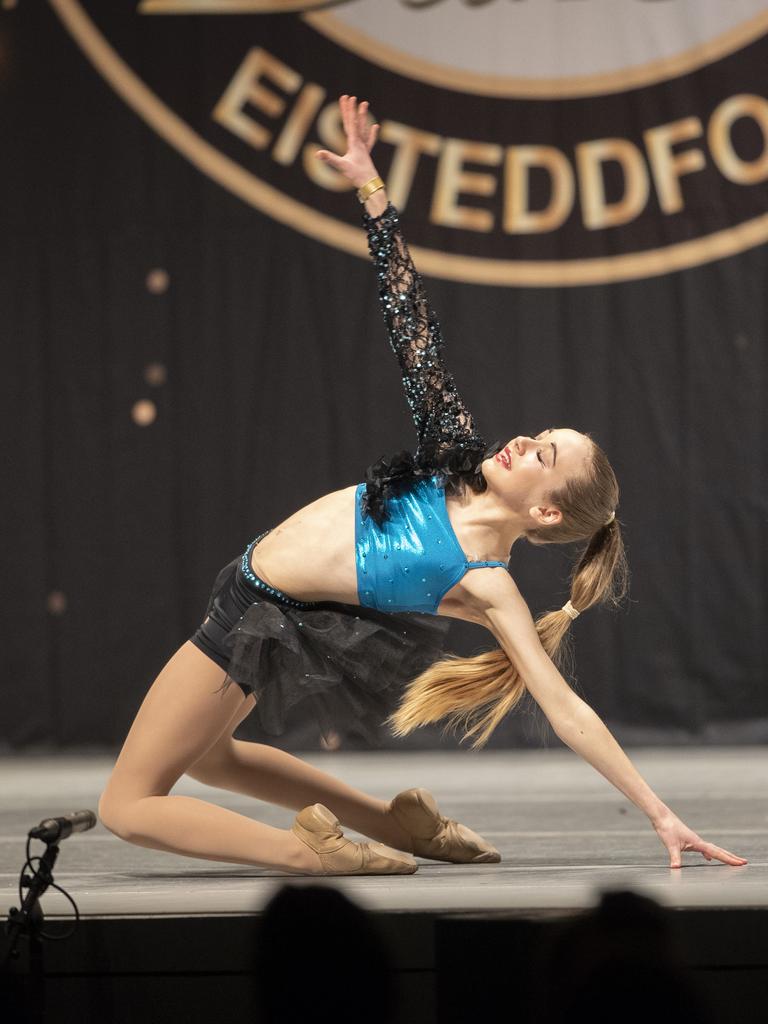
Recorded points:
(280,778)
(180,719)
(194,828)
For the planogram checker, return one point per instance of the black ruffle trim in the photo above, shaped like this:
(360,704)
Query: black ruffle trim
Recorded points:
(459,466)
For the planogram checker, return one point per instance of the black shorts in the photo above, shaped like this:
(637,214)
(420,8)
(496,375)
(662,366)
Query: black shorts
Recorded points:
(236,588)
(344,663)
(227,608)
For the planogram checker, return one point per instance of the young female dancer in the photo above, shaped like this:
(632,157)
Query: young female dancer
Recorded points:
(344,603)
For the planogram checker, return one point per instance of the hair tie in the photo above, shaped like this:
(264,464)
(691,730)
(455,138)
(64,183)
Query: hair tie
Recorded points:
(610,518)
(569,610)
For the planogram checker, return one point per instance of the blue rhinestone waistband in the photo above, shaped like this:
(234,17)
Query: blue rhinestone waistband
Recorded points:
(258,582)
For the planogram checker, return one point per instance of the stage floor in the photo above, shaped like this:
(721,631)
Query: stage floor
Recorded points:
(564,832)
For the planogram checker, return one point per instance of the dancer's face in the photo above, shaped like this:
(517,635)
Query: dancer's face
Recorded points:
(528,469)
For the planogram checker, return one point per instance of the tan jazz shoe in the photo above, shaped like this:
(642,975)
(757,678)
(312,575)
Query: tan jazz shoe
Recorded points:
(436,837)
(319,829)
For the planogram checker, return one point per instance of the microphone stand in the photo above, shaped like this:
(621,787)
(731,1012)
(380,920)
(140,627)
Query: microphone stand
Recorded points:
(28,921)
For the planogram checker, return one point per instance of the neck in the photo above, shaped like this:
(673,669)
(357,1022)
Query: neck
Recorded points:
(490,517)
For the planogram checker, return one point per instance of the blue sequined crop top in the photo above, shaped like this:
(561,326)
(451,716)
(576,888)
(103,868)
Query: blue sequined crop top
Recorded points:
(412,560)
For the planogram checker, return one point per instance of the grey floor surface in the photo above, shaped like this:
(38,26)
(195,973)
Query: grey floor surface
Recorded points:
(564,832)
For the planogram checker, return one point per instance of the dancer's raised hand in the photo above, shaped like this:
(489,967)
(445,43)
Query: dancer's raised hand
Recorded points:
(678,838)
(356,164)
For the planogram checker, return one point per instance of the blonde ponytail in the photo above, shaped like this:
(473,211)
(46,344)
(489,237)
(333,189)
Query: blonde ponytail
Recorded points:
(474,694)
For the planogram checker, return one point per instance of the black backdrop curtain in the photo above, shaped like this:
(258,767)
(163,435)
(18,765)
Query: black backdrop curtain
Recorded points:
(275,384)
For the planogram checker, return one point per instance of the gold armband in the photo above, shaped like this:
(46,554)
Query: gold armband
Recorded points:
(366,191)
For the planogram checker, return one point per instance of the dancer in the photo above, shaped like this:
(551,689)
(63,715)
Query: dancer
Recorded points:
(345,604)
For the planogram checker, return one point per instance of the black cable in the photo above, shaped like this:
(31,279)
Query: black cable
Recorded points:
(49,883)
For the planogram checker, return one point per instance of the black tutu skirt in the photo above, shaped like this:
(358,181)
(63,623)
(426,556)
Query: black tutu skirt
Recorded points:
(344,665)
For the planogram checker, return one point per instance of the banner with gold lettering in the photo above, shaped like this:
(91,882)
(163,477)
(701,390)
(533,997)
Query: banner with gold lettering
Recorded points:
(583,184)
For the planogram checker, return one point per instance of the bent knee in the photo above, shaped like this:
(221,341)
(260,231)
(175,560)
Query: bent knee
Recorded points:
(114,815)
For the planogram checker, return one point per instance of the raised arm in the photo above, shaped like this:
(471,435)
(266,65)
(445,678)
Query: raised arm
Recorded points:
(498,605)
(439,413)
(441,418)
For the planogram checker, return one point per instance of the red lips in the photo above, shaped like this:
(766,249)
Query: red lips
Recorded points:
(504,457)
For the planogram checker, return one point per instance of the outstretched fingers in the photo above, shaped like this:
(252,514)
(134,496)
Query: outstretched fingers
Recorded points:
(710,851)
(349,118)
(346,107)
(366,130)
(355,163)
(372,133)
(356,123)
(707,850)
(362,119)
(330,158)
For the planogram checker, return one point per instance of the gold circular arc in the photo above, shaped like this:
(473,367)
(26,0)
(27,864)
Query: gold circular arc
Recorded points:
(509,86)
(310,222)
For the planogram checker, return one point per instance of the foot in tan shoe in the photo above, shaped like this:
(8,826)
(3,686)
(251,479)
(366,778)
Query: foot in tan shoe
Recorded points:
(436,837)
(319,829)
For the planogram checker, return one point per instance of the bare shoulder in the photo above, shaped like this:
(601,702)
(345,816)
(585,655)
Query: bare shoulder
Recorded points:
(490,597)
(483,590)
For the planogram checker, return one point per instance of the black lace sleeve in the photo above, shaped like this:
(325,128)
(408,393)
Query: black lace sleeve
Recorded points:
(448,442)
(441,418)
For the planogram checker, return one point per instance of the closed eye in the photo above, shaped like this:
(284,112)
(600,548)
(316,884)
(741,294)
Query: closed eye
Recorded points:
(554,448)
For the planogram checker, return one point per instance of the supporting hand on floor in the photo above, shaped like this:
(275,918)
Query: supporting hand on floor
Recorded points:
(678,838)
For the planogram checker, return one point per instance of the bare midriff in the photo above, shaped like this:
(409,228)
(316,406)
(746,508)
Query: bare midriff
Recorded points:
(311,555)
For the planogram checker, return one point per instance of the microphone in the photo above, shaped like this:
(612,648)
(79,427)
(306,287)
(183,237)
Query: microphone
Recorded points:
(51,830)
